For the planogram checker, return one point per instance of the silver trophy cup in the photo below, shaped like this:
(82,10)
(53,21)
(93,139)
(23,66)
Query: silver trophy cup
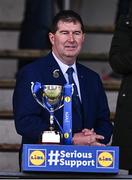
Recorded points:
(49,97)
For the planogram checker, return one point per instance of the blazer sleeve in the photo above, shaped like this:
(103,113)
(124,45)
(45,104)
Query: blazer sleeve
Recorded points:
(103,125)
(120,55)
(30,117)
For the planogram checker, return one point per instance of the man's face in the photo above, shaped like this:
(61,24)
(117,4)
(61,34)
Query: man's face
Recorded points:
(67,41)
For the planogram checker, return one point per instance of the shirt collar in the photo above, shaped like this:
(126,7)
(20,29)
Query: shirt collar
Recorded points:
(63,66)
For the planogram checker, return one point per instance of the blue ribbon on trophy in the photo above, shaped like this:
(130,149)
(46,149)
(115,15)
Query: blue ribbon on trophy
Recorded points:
(52,98)
(67,114)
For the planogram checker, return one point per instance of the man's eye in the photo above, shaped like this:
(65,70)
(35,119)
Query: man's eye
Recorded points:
(64,32)
(77,33)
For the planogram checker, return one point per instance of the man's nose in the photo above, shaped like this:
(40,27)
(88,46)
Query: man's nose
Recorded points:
(71,37)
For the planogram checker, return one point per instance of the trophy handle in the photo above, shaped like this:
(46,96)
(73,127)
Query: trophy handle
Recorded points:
(35,87)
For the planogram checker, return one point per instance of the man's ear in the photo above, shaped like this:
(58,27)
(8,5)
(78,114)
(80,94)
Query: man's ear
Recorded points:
(84,36)
(51,38)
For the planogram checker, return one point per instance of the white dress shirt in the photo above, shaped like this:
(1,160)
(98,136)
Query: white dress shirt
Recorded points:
(64,68)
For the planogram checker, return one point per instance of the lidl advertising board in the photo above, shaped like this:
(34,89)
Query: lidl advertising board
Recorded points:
(70,158)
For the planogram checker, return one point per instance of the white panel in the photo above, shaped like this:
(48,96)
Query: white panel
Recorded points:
(8,132)
(9,162)
(6,99)
(112,100)
(11,10)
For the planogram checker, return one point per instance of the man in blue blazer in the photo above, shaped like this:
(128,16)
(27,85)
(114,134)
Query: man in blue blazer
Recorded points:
(66,37)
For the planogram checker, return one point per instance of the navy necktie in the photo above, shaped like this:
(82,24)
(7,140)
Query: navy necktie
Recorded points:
(75,98)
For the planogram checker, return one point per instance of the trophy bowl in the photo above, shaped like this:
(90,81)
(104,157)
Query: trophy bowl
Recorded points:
(52,96)
(49,97)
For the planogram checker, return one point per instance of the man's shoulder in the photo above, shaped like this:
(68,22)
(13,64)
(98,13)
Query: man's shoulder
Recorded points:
(40,62)
(87,70)
(37,67)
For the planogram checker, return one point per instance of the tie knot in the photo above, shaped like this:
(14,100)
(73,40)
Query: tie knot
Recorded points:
(70,71)
(70,75)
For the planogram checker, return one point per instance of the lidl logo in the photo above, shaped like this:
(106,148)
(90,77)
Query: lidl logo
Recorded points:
(105,159)
(37,157)
(67,99)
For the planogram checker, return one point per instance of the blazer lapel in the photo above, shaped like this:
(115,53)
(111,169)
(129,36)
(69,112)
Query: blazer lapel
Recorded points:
(83,91)
(57,76)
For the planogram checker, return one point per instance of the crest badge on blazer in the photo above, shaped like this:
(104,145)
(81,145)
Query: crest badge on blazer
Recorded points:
(56,73)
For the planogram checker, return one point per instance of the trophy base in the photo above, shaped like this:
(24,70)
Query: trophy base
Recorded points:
(51,137)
